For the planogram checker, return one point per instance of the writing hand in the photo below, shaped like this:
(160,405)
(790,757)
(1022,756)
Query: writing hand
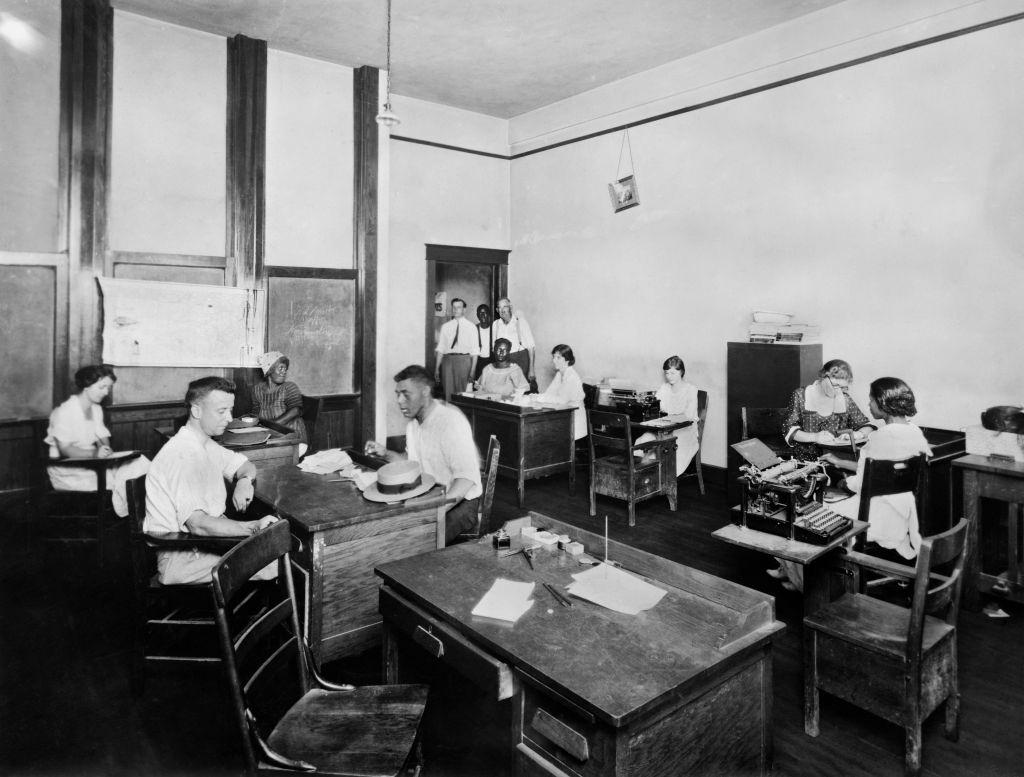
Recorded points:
(825,436)
(243,494)
(374,448)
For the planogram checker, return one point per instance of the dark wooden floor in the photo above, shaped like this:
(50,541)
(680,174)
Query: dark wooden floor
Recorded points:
(66,709)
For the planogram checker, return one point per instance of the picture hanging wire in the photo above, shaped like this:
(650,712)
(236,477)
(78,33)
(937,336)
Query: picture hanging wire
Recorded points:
(625,146)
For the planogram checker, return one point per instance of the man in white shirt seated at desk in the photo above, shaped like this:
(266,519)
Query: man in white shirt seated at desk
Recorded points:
(185,489)
(439,437)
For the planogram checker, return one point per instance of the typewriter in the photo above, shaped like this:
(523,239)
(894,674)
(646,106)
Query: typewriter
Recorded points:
(785,497)
(638,405)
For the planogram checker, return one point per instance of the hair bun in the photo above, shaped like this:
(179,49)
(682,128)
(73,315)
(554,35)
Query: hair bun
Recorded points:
(1004,418)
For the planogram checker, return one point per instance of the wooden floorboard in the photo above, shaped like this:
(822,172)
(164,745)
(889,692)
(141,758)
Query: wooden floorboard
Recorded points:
(65,636)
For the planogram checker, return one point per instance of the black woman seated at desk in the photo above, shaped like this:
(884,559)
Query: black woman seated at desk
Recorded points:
(277,398)
(439,437)
(502,376)
(821,411)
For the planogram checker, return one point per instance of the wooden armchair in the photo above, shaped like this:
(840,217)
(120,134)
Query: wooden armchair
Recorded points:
(174,624)
(490,477)
(616,472)
(74,518)
(896,663)
(290,718)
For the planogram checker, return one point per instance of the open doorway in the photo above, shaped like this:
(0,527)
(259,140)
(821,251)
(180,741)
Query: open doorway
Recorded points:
(479,276)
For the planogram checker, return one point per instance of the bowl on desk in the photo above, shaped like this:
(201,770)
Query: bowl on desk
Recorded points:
(246,420)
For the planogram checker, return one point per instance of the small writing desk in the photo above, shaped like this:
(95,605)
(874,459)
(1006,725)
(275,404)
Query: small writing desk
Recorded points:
(535,441)
(811,557)
(986,477)
(342,536)
(682,688)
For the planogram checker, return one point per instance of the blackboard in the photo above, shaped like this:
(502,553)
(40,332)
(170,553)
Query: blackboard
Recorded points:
(311,320)
(28,300)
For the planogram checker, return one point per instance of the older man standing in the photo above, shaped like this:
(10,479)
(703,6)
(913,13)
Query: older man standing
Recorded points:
(439,437)
(457,351)
(514,328)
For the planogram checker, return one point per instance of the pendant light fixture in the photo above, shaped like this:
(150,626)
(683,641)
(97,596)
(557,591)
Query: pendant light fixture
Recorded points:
(387,118)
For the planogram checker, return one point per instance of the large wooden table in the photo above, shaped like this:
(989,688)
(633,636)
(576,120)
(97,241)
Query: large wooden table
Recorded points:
(535,441)
(1002,480)
(813,558)
(682,688)
(342,537)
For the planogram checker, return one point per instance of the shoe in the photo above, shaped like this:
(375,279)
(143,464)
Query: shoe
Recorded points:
(778,573)
(788,586)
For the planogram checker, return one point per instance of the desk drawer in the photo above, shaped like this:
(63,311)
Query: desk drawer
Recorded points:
(558,732)
(445,644)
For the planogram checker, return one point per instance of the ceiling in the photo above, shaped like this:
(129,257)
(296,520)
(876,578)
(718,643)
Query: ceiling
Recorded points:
(498,57)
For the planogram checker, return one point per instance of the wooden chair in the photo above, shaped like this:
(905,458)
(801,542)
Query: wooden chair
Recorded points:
(174,624)
(76,518)
(765,423)
(490,477)
(617,473)
(702,414)
(896,663)
(321,726)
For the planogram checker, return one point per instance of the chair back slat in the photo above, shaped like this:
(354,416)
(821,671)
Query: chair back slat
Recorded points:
(609,430)
(490,479)
(702,413)
(135,492)
(885,478)
(248,639)
(244,560)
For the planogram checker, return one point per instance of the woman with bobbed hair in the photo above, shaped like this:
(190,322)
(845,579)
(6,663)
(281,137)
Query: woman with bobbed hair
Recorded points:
(77,430)
(819,412)
(678,400)
(566,388)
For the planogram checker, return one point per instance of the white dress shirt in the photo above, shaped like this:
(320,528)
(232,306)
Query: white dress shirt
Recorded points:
(516,331)
(467,341)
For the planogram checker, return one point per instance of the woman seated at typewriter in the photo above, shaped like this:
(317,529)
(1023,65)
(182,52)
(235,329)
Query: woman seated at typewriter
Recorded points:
(819,412)
(893,532)
(679,400)
(502,376)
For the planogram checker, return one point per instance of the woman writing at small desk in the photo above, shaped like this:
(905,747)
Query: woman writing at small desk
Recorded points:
(77,431)
(678,399)
(567,388)
(502,376)
(819,412)
(277,399)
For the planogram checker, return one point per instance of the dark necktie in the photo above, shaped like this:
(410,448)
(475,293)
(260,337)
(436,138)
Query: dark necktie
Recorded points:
(456,339)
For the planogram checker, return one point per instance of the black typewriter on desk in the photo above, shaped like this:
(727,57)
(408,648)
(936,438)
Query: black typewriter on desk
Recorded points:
(785,497)
(638,405)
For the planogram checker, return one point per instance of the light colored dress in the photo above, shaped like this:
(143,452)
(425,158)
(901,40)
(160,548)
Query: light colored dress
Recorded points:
(69,425)
(503,380)
(567,388)
(679,400)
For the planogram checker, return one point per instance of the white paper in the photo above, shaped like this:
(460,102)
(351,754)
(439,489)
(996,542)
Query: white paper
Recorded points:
(616,589)
(248,429)
(324,462)
(506,600)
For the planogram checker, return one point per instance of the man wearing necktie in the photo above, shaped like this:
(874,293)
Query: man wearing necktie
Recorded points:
(457,351)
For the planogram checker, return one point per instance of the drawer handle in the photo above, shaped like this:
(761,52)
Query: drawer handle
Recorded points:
(570,740)
(428,642)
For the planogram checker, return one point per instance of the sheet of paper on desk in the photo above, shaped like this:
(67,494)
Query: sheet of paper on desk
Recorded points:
(506,600)
(661,422)
(112,457)
(615,589)
(248,429)
(327,461)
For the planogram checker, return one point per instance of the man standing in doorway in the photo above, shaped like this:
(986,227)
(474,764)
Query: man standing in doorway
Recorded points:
(514,328)
(457,352)
(484,338)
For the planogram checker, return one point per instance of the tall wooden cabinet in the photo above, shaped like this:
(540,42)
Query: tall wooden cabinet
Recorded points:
(763,375)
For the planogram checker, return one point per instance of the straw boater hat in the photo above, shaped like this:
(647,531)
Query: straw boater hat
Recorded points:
(399,480)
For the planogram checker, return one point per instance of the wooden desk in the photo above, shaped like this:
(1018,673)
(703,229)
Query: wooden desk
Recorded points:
(281,450)
(683,688)
(342,537)
(535,441)
(985,477)
(811,557)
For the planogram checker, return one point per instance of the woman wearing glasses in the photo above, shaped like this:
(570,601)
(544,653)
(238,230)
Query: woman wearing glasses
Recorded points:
(820,412)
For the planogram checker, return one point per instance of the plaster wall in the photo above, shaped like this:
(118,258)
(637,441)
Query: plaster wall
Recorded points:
(167,167)
(883,202)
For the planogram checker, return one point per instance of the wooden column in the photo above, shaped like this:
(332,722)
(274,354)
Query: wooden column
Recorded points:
(85,87)
(364,235)
(246,159)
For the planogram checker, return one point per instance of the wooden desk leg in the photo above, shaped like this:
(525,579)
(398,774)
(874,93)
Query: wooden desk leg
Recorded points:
(972,513)
(521,485)
(572,459)
(816,586)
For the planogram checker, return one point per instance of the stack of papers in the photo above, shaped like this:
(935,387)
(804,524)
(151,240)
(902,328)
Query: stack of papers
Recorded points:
(507,600)
(361,478)
(327,461)
(616,589)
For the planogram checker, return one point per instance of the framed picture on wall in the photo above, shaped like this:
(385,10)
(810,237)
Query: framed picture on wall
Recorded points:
(623,193)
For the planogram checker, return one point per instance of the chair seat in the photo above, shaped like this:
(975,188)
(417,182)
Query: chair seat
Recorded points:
(874,625)
(366,731)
